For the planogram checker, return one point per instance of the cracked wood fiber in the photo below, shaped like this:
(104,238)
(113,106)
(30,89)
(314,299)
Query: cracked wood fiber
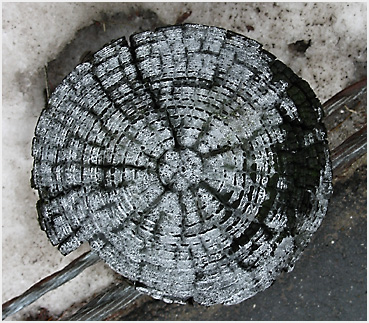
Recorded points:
(193,162)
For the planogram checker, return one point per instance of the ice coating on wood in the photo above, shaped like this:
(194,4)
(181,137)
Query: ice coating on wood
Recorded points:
(193,162)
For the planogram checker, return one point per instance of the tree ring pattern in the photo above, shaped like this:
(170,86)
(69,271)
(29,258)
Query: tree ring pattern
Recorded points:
(192,160)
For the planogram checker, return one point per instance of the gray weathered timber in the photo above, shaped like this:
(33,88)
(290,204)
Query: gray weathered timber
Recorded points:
(193,162)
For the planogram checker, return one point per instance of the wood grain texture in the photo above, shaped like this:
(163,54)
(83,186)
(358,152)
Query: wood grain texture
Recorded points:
(193,162)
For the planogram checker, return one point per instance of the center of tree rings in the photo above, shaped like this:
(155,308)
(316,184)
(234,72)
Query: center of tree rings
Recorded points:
(179,169)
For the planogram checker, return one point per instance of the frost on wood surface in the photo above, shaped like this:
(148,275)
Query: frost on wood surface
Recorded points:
(193,162)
